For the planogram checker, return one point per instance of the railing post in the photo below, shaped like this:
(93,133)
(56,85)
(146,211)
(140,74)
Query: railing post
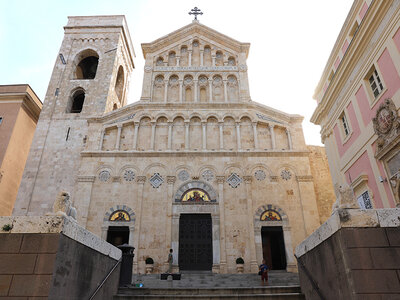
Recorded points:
(125,277)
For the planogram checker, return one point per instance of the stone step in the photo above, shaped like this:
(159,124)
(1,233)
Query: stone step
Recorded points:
(209,291)
(283,296)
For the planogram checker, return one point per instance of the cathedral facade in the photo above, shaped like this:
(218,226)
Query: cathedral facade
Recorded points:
(195,165)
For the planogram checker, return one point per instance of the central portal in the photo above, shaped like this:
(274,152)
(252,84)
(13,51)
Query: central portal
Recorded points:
(195,242)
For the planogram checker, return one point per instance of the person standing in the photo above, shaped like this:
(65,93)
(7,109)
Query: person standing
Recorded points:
(264,272)
(170,260)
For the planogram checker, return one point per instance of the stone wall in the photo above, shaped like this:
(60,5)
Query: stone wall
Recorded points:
(52,258)
(355,262)
(322,181)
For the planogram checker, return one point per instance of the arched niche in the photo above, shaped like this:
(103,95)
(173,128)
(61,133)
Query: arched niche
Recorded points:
(76,100)
(86,63)
(117,217)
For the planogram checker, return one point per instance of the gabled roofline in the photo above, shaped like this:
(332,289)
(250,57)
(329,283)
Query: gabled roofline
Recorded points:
(195,26)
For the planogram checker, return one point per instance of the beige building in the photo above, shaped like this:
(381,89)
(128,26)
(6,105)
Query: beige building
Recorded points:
(195,165)
(19,113)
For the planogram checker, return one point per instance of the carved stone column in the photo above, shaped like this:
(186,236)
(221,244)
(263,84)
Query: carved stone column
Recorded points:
(153,135)
(289,137)
(180,90)
(238,135)
(213,60)
(204,134)
(201,58)
(271,130)
(220,181)
(255,135)
(135,136)
(196,87)
(221,135)
(226,90)
(83,198)
(103,132)
(140,181)
(252,245)
(187,146)
(168,233)
(190,58)
(169,135)
(165,91)
(210,88)
(117,142)
(178,59)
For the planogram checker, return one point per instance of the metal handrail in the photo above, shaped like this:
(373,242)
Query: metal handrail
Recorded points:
(313,283)
(105,279)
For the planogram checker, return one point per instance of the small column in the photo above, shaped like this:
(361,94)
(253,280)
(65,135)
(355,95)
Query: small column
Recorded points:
(201,57)
(165,90)
(255,135)
(250,217)
(289,137)
(119,126)
(169,135)
(103,132)
(153,135)
(195,83)
(135,136)
(210,88)
(168,232)
(204,135)
(187,135)
(238,135)
(140,180)
(226,90)
(221,135)
(190,58)
(213,60)
(178,60)
(180,90)
(271,129)
(220,181)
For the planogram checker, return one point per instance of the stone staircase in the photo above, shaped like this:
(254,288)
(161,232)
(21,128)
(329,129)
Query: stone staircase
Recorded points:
(205,285)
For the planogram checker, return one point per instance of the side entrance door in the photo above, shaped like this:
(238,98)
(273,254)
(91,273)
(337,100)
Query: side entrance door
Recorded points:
(195,242)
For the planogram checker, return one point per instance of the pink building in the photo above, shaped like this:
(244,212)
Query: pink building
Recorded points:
(358,100)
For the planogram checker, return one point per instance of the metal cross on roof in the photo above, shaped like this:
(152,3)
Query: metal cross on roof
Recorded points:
(195,11)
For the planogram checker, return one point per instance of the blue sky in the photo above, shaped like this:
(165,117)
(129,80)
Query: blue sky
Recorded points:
(290,41)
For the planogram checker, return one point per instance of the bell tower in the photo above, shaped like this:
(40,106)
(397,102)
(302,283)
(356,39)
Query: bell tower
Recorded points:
(90,77)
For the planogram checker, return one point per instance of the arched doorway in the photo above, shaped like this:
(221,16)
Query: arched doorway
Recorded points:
(273,238)
(195,227)
(118,225)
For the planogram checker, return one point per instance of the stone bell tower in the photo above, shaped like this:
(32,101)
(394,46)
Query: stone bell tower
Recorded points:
(90,78)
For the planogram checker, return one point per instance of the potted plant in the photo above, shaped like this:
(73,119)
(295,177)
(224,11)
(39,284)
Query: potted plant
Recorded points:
(149,265)
(239,265)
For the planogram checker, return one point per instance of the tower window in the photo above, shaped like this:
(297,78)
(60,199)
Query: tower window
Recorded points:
(119,83)
(375,83)
(87,68)
(76,102)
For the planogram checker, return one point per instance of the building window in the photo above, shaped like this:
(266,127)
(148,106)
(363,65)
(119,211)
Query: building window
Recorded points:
(345,125)
(375,83)
(1,120)
(75,103)
(364,201)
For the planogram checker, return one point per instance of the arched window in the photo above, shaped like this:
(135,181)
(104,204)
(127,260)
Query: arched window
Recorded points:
(119,83)
(231,61)
(270,215)
(87,66)
(195,195)
(115,106)
(76,101)
(160,61)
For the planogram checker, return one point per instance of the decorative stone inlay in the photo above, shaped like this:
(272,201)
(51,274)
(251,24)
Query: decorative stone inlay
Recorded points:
(183,175)
(156,180)
(265,118)
(104,175)
(286,175)
(203,79)
(129,175)
(188,80)
(148,69)
(208,175)
(234,180)
(259,175)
